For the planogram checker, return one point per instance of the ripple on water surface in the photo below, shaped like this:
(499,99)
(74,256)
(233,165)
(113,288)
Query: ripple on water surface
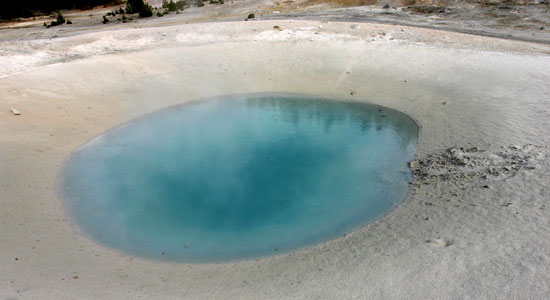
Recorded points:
(239,178)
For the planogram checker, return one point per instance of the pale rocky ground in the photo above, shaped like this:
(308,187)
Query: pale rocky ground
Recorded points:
(475,224)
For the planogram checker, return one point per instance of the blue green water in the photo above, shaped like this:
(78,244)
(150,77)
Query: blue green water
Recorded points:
(238,178)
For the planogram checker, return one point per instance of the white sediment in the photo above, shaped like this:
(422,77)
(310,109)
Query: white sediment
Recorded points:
(445,241)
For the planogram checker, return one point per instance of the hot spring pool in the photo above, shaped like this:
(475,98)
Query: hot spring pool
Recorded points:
(241,177)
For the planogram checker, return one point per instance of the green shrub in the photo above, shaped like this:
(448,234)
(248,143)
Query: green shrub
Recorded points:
(133,6)
(146,12)
(200,3)
(58,21)
(173,6)
(170,5)
(138,6)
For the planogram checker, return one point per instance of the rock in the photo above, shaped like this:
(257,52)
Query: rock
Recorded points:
(250,16)
(414,164)
(276,27)
(462,166)
(387,6)
(457,156)
(15,111)
(427,9)
(353,26)
(439,243)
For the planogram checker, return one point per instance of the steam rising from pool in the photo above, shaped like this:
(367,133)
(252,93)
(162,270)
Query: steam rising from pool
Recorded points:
(240,177)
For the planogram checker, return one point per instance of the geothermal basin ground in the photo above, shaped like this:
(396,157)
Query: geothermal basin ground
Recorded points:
(474,225)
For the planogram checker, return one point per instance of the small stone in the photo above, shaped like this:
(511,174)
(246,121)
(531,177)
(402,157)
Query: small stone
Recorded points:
(250,16)
(542,28)
(75,277)
(353,26)
(15,111)
(387,6)
(439,243)
(276,27)
(414,164)
(444,102)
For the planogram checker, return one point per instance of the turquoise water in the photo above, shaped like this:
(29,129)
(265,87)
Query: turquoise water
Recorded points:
(239,178)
